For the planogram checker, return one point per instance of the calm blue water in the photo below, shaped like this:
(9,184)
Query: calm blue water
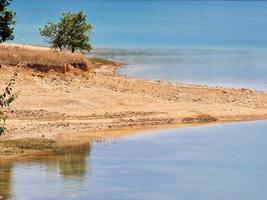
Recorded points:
(222,67)
(142,23)
(204,42)
(217,162)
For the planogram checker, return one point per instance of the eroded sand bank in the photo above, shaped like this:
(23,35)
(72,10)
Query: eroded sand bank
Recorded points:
(50,104)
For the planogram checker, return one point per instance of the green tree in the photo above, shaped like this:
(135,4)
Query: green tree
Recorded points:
(5,100)
(7,20)
(72,32)
(52,34)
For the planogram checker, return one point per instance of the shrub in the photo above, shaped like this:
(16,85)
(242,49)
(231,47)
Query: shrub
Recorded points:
(5,100)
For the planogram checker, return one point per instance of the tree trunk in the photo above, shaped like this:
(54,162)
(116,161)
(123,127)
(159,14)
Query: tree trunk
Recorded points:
(72,50)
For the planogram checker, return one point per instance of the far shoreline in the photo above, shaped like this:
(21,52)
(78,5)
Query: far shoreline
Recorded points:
(256,86)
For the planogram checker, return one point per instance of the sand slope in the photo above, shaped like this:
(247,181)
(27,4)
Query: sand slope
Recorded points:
(50,103)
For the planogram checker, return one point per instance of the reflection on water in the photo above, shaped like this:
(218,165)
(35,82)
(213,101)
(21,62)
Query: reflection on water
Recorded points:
(5,180)
(73,167)
(217,162)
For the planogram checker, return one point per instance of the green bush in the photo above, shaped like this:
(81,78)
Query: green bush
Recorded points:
(5,100)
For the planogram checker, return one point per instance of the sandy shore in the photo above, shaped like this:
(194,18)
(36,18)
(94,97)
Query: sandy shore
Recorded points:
(101,104)
(50,104)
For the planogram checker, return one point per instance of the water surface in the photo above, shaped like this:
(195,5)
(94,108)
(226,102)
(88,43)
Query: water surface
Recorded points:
(217,162)
(159,23)
(236,68)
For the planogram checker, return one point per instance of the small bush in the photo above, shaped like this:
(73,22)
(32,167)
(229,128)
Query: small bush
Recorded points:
(5,100)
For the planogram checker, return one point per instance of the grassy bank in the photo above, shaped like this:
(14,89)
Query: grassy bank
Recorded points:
(40,146)
(41,59)
(45,59)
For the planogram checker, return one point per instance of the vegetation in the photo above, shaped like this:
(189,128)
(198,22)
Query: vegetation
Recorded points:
(72,32)
(99,61)
(7,20)
(41,59)
(5,100)
(41,145)
(200,119)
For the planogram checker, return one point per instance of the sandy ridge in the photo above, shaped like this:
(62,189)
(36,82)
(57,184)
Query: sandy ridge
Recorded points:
(51,105)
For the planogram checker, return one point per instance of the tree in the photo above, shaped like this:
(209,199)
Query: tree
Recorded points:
(5,100)
(7,20)
(72,32)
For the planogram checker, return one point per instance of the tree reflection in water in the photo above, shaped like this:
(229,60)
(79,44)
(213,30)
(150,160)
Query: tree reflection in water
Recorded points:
(73,166)
(5,180)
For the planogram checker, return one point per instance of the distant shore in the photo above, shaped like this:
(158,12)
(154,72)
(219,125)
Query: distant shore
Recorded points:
(77,106)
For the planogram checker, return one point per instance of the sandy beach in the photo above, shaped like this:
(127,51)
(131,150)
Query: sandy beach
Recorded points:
(99,103)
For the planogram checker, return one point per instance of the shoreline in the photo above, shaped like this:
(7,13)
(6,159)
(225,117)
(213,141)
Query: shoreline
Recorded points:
(101,104)
(85,138)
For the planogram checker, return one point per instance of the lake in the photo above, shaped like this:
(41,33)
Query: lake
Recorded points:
(237,68)
(216,162)
(153,24)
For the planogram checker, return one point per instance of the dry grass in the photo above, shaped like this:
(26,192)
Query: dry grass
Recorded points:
(42,59)
(199,119)
(101,62)
(45,146)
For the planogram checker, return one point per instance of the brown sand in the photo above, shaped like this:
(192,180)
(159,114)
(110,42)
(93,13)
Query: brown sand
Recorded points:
(100,104)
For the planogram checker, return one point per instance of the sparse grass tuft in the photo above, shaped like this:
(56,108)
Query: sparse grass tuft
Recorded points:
(100,61)
(79,149)
(200,119)
(46,146)
(18,146)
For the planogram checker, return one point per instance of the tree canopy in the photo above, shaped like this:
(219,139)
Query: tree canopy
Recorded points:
(7,20)
(72,32)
